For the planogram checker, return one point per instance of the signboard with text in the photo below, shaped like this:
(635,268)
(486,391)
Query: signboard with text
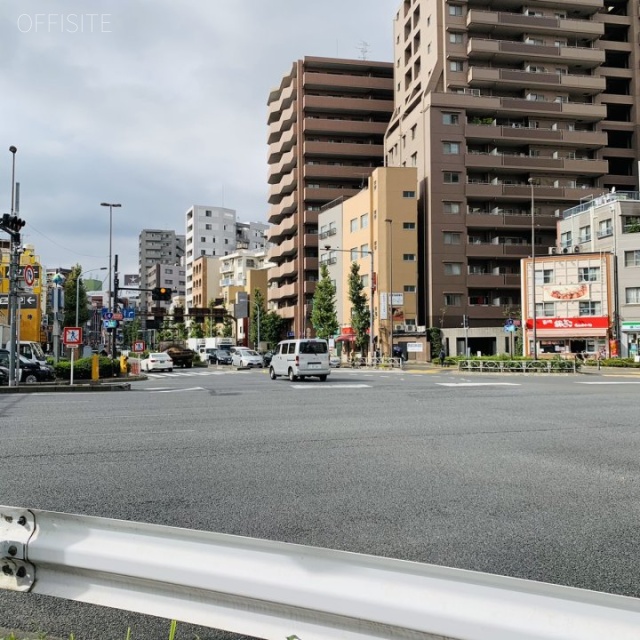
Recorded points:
(592,322)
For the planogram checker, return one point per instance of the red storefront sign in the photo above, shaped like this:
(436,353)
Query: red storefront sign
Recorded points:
(595,322)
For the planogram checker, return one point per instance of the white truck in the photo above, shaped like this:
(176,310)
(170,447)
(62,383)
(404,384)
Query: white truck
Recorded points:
(204,347)
(32,351)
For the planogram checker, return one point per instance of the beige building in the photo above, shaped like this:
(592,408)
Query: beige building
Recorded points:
(377,229)
(505,109)
(326,125)
(205,281)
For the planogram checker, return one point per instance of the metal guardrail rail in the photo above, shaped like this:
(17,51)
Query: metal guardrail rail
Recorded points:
(519,366)
(276,590)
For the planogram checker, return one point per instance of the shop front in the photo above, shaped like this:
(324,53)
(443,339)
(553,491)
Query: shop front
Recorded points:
(631,336)
(570,336)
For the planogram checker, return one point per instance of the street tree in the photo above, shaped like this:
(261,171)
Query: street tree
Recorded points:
(70,299)
(324,317)
(271,330)
(360,315)
(257,315)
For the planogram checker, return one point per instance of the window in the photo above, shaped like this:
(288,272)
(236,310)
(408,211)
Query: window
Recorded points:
(545,309)
(452,300)
(455,38)
(353,224)
(632,295)
(451,207)
(455,10)
(451,177)
(588,274)
(354,254)
(409,288)
(589,308)
(451,237)
(364,251)
(456,65)
(536,97)
(409,257)
(565,239)
(408,225)
(413,132)
(414,160)
(452,268)
(364,279)
(605,228)
(208,227)
(584,234)
(408,194)
(632,258)
(451,148)
(450,118)
(207,214)
(544,276)
(203,239)
(364,220)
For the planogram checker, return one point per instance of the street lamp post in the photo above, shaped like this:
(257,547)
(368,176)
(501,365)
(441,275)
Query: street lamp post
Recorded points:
(533,270)
(390,301)
(111,206)
(371,292)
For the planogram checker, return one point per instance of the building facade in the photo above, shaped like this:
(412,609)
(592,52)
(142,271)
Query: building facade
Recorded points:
(508,111)
(157,246)
(326,125)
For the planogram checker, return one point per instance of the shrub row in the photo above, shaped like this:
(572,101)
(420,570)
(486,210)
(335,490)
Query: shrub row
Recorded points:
(82,368)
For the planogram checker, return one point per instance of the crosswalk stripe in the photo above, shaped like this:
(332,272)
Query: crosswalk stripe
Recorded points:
(478,384)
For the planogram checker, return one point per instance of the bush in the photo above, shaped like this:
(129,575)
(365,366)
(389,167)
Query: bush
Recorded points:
(82,368)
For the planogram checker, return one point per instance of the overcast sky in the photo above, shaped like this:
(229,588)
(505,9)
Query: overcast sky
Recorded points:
(155,104)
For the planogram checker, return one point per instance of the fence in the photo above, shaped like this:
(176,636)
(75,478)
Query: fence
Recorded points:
(555,365)
(277,590)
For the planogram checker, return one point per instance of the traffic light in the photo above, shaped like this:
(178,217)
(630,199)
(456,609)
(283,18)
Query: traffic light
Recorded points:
(161,293)
(178,315)
(12,225)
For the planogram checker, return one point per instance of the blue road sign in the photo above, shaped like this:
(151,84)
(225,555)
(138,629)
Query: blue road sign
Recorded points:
(128,313)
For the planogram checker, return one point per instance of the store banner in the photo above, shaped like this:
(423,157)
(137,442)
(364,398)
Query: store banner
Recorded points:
(592,322)
(553,293)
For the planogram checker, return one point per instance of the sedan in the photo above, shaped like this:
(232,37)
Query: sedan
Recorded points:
(28,372)
(334,362)
(220,356)
(156,362)
(247,358)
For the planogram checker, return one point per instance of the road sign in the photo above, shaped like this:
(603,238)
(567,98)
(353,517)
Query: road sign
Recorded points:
(72,336)
(29,275)
(116,315)
(109,324)
(129,313)
(138,346)
(26,301)
(21,268)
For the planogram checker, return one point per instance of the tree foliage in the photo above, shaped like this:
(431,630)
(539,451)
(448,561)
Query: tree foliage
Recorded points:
(323,315)
(271,330)
(70,284)
(257,315)
(360,315)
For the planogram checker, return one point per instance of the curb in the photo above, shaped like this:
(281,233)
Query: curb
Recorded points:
(67,388)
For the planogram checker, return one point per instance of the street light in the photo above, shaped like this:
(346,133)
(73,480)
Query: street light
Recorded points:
(111,206)
(390,301)
(533,270)
(328,247)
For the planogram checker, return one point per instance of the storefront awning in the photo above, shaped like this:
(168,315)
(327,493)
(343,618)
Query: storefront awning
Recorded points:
(569,334)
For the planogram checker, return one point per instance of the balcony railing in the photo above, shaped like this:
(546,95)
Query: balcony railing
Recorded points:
(328,233)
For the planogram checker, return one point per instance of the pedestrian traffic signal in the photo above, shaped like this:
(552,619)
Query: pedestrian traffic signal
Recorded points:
(178,315)
(161,293)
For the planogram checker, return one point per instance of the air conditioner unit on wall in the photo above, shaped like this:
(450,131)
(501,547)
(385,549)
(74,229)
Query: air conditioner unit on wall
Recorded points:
(398,328)
(553,251)
(576,249)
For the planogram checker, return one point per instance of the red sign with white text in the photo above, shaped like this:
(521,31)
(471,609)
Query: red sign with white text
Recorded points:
(592,322)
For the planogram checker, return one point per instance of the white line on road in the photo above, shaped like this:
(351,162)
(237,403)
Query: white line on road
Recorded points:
(478,384)
(176,390)
(611,382)
(330,386)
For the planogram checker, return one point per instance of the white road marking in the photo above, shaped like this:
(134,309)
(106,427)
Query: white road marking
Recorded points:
(176,390)
(611,382)
(478,384)
(330,386)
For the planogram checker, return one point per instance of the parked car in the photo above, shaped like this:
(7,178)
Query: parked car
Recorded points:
(4,376)
(266,357)
(300,359)
(28,371)
(220,356)
(246,358)
(334,362)
(158,361)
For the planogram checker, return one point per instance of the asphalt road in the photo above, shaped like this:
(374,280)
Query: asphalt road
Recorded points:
(530,476)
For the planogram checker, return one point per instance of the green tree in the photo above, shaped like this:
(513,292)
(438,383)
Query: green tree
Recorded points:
(130,332)
(257,310)
(69,319)
(360,316)
(196,330)
(324,317)
(227,328)
(272,328)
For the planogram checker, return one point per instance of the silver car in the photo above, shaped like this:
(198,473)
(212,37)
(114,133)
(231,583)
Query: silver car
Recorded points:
(247,358)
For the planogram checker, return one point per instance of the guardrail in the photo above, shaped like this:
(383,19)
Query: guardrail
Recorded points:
(520,366)
(277,590)
(377,363)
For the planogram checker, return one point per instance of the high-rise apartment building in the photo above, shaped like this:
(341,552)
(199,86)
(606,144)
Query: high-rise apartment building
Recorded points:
(214,232)
(326,121)
(157,246)
(511,113)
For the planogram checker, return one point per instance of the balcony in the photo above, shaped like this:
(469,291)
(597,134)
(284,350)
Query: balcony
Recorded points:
(522,162)
(285,291)
(509,51)
(518,134)
(522,191)
(325,126)
(344,149)
(338,104)
(314,81)
(310,264)
(288,183)
(491,249)
(310,287)
(286,163)
(492,281)
(336,171)
(287,117)
(508,218)
(285,143)
(281,102)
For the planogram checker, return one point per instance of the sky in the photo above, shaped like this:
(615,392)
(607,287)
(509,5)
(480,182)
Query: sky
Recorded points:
(154,104)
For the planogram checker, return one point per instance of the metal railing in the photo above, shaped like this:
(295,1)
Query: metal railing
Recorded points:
(554,365)
(277,590)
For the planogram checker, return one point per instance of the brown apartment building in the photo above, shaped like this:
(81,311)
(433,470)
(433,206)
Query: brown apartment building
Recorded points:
(507,110)
(327,121)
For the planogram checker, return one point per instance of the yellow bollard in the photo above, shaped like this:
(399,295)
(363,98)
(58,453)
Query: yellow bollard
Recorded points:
(95,367)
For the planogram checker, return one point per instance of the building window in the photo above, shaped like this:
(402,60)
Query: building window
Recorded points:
(566,239)
(409,257)
(364,250)
(455,10)
(450,118)
(590,308)
(452,268)
(408,225)
(208,227)
(584,234)
(632,295)
(632,258)
(605,228)
(451,148)
(207,213)
(408,194)
(413,132)
(544,276)
(409,288)
(353,224)
(364,221)
(452,300)
(456,65)
(451,237)
(588,274)
(451,207)
(203,239)
(414,160)
(451,177)
(354,254)
(455,38)
(365,280)
(545,309)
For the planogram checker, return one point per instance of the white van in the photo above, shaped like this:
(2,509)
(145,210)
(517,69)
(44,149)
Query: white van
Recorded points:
(300,359)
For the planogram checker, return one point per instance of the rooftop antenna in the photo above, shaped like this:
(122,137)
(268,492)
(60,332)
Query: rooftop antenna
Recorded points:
(363,48)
